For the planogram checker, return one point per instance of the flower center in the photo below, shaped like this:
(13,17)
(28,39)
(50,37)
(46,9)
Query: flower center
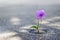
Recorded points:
(41,15)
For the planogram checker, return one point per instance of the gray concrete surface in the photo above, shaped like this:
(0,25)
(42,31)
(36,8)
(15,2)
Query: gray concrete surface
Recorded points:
(15,17)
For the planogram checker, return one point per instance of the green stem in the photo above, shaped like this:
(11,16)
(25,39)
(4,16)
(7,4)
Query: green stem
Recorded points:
(38,26)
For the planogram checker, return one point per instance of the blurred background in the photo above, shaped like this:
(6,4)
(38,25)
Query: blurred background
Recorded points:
(20,14)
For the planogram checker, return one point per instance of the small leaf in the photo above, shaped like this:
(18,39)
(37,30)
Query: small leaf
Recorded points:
(34,27)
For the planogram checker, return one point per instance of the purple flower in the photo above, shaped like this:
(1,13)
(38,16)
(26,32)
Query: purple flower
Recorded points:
(40,14)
